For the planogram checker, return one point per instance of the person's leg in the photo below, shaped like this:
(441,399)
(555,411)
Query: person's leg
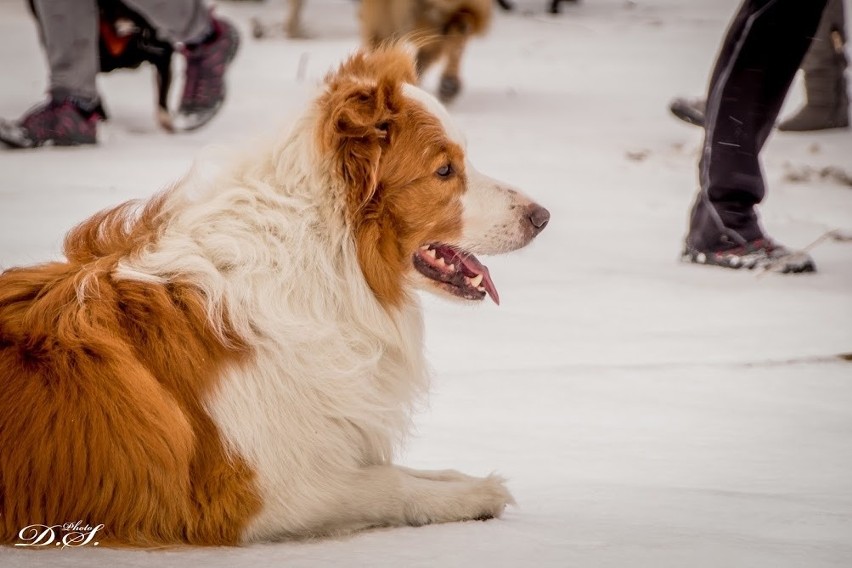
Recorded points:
(824,44)
(69,33)
(694,110)
(757,63)
(824,66)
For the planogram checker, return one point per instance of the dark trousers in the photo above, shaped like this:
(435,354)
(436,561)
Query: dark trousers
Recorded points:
(757,62)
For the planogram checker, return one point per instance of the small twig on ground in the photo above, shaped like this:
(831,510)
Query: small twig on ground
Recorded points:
(637,155)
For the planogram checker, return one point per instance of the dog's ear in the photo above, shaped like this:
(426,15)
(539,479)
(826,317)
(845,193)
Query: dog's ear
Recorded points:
(355,131)
(362,101)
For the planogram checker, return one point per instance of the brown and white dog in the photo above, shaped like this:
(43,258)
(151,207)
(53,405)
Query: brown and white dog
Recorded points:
(237,359)
(441,26)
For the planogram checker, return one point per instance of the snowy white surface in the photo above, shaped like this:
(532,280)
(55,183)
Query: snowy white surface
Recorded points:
(646,413)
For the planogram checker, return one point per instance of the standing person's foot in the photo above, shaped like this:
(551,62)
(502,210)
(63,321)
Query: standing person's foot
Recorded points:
(206,63)
(58,121)
(761,253)
(689,110)
(824,112)
(810,118)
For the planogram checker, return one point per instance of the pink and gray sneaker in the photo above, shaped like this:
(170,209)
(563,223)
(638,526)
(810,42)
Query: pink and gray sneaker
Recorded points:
(57,122)
(206,63)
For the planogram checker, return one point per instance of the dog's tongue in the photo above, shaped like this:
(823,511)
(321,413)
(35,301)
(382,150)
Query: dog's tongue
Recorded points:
(471,263)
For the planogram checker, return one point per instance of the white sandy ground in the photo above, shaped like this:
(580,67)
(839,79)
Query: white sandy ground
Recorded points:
(646,413)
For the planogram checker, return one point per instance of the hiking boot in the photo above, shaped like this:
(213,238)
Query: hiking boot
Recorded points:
(812,117)
(689,110)
(761,253)
(825,84)
(206,63)
(58,122)
(827,104)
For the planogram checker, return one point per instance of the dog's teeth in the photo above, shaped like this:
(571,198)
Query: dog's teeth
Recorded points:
(451,266)
(441,262)
(481,288)
(476,280)
(424,247)
(430,252)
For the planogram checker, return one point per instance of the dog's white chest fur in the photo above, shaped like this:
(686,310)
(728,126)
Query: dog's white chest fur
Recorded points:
(308,414)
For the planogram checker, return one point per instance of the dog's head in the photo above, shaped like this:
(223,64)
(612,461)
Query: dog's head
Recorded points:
(418,209)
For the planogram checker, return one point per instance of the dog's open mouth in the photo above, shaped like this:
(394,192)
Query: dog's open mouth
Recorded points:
(456,271)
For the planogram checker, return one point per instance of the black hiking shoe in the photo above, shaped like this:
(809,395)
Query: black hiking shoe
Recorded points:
(762,254)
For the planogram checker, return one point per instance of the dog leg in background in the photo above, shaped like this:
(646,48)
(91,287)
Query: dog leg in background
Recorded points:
(554,5)
(294,28)
(456,39)
(427,56)
(388,495)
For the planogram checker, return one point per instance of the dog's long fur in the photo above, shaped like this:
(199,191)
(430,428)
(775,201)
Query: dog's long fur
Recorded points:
(238,359)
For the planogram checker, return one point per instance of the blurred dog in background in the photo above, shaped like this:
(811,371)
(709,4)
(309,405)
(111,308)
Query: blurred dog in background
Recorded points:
(440,27)
(292,26)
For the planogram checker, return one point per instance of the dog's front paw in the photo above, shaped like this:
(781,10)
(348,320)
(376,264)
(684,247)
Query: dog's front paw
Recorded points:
(449,496)
(449,88)
(490,497)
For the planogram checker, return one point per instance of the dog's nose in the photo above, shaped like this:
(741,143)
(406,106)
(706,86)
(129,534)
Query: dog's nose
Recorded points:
(539,217)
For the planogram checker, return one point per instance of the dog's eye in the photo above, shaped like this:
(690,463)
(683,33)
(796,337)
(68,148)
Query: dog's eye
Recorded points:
(445,171)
